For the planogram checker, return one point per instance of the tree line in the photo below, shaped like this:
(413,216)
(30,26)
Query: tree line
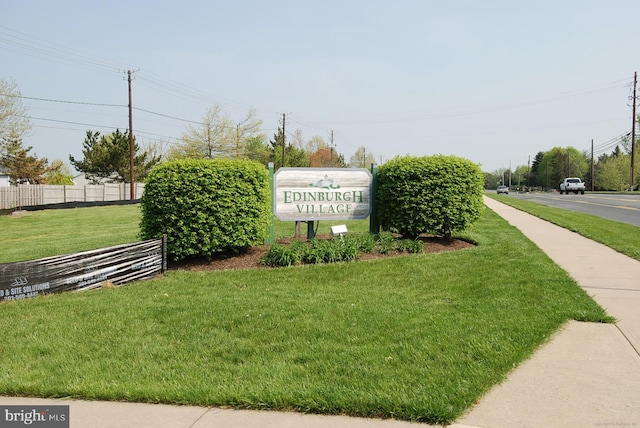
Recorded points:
(607,172)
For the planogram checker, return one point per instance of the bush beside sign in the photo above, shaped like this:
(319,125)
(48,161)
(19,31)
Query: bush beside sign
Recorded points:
(303,194)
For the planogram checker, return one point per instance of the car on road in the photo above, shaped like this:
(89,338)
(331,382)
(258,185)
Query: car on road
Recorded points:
(572,184)
(503,189)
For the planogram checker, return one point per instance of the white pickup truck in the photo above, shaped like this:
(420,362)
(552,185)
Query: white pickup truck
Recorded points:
(572,184)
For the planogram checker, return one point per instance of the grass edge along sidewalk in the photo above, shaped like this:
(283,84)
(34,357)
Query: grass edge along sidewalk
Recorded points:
(417,337)
(622,237)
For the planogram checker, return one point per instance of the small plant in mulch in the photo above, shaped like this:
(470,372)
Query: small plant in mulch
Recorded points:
(345,249)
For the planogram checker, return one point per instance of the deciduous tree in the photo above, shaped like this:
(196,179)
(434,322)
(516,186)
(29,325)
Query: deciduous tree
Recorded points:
(14,119)
(218,136)
(58,173)
(362,158)
(258,150)
(326,157)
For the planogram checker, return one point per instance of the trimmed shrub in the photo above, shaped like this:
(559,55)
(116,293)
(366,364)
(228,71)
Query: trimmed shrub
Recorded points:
(206,207)
(435,194)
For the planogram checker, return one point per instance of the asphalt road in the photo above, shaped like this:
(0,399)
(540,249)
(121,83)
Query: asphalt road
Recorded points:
(616,207)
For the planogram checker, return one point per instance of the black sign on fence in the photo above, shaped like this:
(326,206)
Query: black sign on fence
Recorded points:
(116,265)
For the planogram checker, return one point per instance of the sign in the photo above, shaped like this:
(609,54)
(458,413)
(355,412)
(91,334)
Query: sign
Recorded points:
(82,271)
(305,194)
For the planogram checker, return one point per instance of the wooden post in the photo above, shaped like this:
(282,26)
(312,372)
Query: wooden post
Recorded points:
(164,253)
(374,220)
(310,232)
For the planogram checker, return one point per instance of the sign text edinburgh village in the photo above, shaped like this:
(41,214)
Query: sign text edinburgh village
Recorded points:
(304,194)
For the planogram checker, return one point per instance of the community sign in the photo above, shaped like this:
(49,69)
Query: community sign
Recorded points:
(305,194)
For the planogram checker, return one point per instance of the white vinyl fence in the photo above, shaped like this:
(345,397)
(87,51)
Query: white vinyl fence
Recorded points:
(25,195)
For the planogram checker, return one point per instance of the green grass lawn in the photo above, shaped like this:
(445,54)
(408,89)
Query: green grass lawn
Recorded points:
(419,337)
(39,234)
(622,237)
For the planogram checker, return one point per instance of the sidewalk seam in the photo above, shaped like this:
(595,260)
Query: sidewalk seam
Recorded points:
(200,417)
(628,340)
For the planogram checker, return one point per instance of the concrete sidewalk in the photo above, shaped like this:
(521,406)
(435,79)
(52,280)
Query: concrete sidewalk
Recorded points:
(588,375)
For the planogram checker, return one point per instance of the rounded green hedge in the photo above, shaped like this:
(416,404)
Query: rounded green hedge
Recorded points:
(206,207)
(438,194)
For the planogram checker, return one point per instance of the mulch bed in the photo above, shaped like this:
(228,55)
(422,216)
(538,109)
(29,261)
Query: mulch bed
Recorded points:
(250,259)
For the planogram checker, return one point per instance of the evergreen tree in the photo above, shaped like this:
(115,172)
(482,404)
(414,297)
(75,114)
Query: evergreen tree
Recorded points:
(107,158)
(293,156)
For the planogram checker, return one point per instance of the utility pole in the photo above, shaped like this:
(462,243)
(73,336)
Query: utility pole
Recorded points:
(237,141)
(131,168)
(546,174)
(331,146)
(528,172)
(593,179)
(283,136)
(633,128)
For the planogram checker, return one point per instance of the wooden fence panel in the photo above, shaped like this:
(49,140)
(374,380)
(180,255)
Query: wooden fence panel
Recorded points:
(87,270)
(33,195)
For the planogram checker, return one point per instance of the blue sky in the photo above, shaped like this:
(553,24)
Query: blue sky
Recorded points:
(494,82)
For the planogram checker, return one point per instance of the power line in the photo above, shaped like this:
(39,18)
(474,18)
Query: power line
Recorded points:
(479,110)
(45,49)
(94,126)
(610,144)
(21,43)
(617,138)
(62,101)
(167,116)
(16,41)
(101,105)
(69,122)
